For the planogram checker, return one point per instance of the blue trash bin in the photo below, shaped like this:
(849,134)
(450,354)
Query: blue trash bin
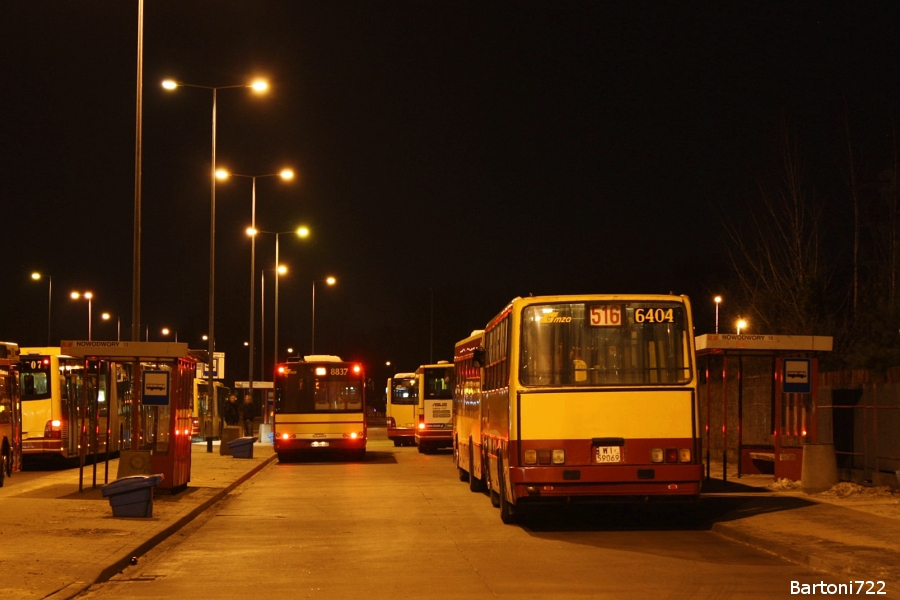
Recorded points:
(132,496)
(242,447)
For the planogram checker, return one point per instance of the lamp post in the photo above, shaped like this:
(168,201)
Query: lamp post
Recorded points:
(329,281)
(258,86)
(718,301)
(37,277)
(741,324)
(285,174)
(279,270)
(89,297)
(106,317)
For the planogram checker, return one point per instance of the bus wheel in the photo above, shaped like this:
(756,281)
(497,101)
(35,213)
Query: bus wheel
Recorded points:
(422,448)
(507,509)
(396,443)
(475,484)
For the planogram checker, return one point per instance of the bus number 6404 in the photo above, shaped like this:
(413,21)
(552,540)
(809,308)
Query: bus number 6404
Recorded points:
(653,315)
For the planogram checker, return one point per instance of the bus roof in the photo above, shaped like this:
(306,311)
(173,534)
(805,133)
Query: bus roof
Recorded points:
(322,358)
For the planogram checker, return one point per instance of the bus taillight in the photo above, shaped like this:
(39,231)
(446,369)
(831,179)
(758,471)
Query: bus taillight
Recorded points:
(285,436)
(53,429)
(357,369)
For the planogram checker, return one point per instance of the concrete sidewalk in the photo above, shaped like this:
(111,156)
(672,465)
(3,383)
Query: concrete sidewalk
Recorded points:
(56,541)
(848,532)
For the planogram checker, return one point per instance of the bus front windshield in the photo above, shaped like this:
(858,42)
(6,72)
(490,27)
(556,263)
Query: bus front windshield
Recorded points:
(305,393)
(605,343)
(404,391)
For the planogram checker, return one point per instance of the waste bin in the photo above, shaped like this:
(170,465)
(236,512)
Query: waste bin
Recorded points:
(242,447)
(132,496)
(229,433)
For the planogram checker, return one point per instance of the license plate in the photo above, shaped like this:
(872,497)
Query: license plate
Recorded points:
(608,454)
(319,444)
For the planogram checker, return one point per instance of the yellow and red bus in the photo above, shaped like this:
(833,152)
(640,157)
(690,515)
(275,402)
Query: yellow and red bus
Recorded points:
(67,401)
(435,426)
(402,409)
(10,412)
(588,398)
(467,411)
(320,407)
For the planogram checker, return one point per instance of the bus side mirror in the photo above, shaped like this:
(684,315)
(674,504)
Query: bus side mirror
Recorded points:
(478,357)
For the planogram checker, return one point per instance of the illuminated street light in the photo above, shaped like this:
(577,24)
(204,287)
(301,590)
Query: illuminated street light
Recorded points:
(106,317)
(329,281)
(741,325)
(280,269)
(37,277)
(87,296)
(257,86)
(718,301)
(285,174)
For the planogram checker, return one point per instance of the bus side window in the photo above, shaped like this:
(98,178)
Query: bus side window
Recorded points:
(28,380)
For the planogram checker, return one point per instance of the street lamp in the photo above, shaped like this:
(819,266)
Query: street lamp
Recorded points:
(87,296)
(262,317)
(166,331)
(258,86)
(329,281)
(741,324)
(279,270)
(718,301)
(285,174)
(106,317)
(37,277)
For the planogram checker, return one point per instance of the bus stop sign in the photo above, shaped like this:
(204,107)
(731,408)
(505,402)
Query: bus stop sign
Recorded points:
(155,388)
(796,376)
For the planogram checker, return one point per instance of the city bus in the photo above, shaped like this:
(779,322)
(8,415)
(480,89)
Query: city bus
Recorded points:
(402,409)
(10,412)
(587,399)
(467,411)
(54,389)
(320,408)
(435,425)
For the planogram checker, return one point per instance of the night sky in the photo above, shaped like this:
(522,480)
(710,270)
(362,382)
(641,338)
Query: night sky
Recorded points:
(450,156)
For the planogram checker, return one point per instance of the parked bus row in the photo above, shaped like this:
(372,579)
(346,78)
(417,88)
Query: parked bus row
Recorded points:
(563,399)
(419,407)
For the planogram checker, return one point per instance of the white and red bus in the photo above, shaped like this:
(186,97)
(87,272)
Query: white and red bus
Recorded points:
(467,411)
(10,412)
(435,426)
(402,409)
(585,398)
(320,407)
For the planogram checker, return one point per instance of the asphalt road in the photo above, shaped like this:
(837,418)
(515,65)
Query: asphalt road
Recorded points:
(401,525)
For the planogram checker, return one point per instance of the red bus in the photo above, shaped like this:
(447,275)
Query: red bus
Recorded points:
(10,412)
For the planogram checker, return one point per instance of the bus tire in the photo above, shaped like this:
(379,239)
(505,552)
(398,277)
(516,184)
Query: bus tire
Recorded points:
(422,449)
(396,443)
(507,509)
(475,484)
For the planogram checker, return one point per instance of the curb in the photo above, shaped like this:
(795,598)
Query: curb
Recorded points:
(74,589)
(784,551)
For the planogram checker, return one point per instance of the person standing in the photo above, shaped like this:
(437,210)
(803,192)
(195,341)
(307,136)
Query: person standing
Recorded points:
(248,413)
(231,411)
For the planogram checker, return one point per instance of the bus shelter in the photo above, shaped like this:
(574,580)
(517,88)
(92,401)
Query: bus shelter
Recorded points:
(783,415)
(10,411)
(155,379)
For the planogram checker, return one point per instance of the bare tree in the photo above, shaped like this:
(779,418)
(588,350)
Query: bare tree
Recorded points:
(775,252)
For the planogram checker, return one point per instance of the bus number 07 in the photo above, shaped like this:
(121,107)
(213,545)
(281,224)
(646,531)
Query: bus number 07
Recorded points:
(606,316)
